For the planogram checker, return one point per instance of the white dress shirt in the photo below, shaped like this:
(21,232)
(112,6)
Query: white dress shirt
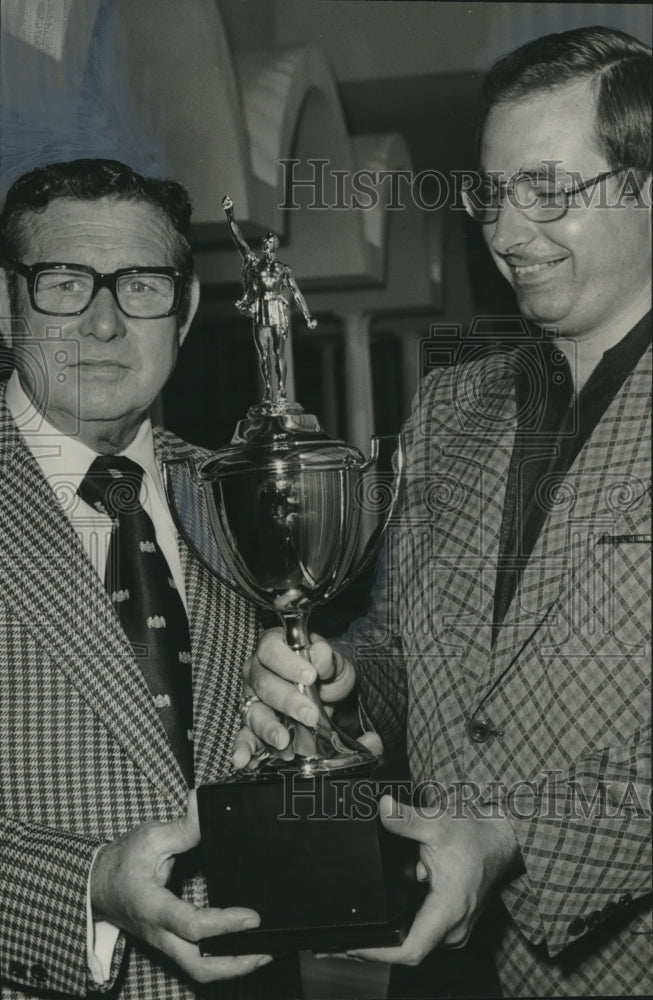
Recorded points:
(64,462)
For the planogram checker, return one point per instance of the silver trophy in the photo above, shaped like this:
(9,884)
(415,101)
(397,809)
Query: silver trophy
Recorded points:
(288,508)
(289,517)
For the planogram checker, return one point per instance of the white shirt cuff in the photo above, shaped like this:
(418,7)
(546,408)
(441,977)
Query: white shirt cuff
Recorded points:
(101,938)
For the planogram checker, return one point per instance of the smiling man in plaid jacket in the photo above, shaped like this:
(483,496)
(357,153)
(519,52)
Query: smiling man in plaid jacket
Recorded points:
(94,778)
(508,645)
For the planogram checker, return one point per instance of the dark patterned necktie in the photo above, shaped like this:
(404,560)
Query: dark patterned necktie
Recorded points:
(145,598)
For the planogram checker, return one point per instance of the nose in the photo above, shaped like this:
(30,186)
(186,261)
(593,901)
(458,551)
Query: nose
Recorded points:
(511,230)
(103,319)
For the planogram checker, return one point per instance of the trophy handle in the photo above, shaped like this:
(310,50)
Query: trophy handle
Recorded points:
(388,494)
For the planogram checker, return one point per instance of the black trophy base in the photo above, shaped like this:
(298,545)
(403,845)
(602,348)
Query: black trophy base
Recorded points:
(311,856)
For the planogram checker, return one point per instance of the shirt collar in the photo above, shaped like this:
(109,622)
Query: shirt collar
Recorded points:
(616,363)
(630,348)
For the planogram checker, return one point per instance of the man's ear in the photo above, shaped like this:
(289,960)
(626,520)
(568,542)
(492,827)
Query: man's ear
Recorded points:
(193,302)
(5,310)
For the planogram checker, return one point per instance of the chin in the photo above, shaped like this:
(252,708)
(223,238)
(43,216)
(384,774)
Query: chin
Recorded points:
(542,311)
(101,414)
(108,399)
(112,411)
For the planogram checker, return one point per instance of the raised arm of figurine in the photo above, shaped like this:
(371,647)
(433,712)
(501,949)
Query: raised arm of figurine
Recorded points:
(299,299)
(241,243)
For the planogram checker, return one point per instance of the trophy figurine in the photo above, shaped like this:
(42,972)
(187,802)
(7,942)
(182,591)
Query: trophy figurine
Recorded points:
(264,281)
(286,509)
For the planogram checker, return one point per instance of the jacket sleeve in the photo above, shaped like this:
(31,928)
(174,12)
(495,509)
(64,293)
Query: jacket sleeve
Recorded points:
(377,656)
(584,836)
(43,880)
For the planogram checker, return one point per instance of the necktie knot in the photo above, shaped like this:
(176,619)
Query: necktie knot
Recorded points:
(112,485)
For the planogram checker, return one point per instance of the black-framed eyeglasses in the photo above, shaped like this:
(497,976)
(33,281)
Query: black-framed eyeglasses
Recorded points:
(540,198)
(68,289)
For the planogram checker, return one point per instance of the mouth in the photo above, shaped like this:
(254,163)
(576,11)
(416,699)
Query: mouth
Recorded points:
(100,369)
(537,268)
(99,363)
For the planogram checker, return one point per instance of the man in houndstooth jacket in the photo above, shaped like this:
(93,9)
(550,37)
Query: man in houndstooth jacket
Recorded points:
(94,807)
(508,645)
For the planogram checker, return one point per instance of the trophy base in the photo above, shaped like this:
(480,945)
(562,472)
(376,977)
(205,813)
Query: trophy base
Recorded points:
(312,857)
(316,939)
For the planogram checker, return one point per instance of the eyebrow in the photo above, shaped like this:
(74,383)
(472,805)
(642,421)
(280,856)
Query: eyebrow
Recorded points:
(545,168)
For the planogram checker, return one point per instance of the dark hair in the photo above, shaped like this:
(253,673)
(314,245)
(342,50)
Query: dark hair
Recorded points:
(90,180)
(620,66)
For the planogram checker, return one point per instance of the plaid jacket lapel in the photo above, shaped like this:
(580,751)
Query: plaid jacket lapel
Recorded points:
(468,489)
(600,495)
(223,625)
(443,550)
(53,590)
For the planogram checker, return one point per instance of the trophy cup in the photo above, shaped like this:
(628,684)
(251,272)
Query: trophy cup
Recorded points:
(287,509)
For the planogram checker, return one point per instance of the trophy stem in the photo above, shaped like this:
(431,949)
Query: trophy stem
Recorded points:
(296,634)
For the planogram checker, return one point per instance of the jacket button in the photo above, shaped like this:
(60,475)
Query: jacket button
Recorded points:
(625,900)
(577,926)
(478,732)
(18,969)
(609,910)
(594,918)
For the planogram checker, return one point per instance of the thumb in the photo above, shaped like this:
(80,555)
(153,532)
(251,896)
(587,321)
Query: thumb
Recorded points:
(192,813)
(401,819)
(373,742)
(184,832)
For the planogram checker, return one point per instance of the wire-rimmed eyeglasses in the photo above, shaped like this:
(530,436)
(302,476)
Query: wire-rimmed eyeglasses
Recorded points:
(540,198)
